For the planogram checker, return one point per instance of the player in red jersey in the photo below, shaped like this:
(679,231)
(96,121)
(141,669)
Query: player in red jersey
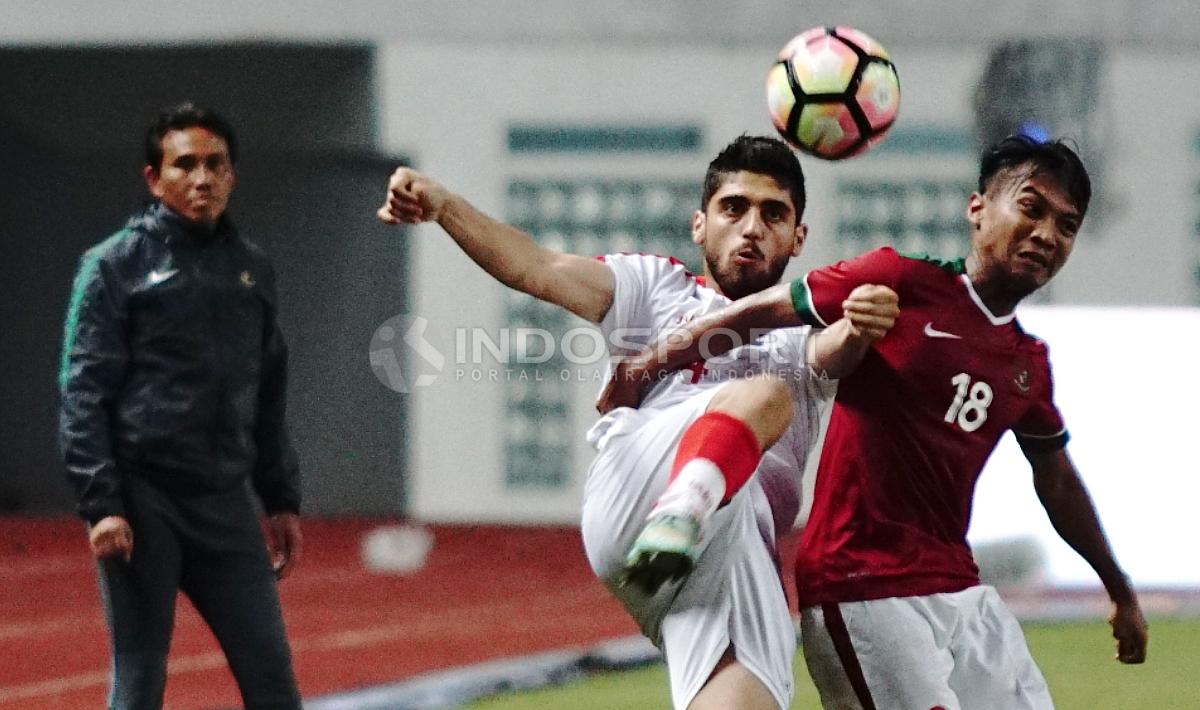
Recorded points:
(893,614)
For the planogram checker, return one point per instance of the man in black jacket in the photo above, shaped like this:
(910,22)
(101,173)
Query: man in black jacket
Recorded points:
(173,394)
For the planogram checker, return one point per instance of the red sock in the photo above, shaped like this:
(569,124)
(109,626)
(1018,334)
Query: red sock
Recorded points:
(727,442)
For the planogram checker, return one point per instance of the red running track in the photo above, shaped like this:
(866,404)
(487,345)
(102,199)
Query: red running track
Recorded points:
(486,592)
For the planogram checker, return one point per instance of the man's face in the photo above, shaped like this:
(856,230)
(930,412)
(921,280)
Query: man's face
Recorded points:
(1024,228)
(196,176)
(749,232)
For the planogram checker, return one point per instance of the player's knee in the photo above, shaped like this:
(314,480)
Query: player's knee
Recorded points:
(764,403)
(774,411)
(754,397)
(770,401)
(777,397)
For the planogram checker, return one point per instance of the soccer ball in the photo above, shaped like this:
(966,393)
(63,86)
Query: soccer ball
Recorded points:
(833,92)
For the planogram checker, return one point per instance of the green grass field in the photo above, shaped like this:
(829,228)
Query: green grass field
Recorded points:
(1077,659)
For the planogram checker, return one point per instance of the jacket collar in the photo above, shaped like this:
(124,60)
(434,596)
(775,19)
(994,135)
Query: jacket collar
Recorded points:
(162,223)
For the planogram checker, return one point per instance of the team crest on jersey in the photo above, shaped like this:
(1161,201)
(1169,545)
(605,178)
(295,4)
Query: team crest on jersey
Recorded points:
(1021,377)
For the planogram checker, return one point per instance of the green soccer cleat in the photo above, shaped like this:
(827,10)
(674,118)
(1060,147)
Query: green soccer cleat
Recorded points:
(665,550)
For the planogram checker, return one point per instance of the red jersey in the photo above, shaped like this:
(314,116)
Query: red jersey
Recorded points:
(911,429)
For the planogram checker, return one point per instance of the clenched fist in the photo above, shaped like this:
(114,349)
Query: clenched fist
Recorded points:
(111,537)
(871,310)
(412,198)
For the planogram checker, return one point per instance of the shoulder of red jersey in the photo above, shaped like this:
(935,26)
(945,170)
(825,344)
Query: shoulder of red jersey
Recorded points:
(894,257)
(1031,342)
(817,296)
(922,260)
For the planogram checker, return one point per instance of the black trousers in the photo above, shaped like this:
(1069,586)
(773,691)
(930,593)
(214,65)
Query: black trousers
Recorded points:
(210,546)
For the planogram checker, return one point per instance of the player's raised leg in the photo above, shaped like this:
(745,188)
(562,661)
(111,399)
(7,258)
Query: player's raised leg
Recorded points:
(716,456)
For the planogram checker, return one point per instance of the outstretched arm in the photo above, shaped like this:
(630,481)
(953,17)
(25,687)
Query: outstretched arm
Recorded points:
(579,284)
(1074,517)
(868,313)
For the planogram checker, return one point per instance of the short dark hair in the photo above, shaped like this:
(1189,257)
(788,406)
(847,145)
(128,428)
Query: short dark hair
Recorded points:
(1054,158)
(761,155)
(186,115)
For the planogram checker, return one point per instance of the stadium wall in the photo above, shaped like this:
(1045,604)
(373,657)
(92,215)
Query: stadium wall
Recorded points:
(70,163)
(1161,25)
(1138,247)
(454,80)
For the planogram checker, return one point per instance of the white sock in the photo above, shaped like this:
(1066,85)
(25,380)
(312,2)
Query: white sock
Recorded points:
(695,493)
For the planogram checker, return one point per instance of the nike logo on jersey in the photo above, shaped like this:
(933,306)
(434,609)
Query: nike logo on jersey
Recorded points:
(157,277)
(934,333)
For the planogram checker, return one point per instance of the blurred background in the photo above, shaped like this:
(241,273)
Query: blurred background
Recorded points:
(443,473)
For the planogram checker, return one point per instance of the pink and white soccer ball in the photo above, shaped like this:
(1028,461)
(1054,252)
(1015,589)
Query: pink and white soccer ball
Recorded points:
(833,92)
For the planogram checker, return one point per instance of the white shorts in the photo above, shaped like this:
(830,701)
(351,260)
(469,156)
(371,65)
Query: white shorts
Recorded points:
(733,596)
(958,651)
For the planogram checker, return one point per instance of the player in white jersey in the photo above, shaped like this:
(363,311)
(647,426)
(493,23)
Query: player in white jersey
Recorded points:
(733,596)
(673,523)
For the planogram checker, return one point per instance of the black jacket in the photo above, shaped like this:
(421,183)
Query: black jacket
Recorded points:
(174,368)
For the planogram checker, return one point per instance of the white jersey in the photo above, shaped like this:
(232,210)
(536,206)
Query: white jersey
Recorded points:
(654,295)
(733,598)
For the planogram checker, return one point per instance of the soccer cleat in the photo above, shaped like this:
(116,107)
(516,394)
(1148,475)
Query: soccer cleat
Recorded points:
(665,550)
